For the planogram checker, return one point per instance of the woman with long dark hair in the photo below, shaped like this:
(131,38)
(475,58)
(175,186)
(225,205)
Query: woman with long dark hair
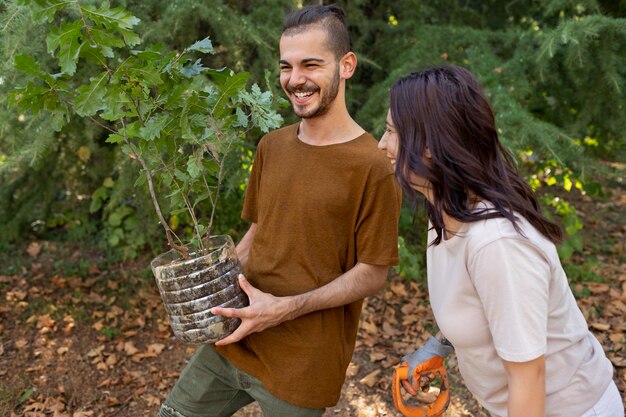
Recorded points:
(496,285)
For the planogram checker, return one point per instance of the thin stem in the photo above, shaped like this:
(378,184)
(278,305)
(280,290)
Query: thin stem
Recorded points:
(102,125)
(168,231)
(217,197)
(194,219)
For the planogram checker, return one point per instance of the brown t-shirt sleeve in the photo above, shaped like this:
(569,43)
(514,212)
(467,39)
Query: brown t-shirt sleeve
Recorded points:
(377,228)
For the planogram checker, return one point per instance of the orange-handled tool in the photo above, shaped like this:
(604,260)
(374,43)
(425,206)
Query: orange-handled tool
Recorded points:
(426,371)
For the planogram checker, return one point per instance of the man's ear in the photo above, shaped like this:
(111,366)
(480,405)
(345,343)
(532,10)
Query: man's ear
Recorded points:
(347,65)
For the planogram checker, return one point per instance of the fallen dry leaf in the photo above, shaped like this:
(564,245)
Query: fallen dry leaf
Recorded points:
(398,289)
(377,356)
(370,379)
(96,351)
(603,327)
(34,248)
(369,327)
(353,370)
(130,349)
(156,348)
(111,360)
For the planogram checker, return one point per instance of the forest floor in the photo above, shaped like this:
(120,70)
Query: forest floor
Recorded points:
(81,337)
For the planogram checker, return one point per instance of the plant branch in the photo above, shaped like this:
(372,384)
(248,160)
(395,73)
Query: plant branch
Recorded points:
(187,203)
(168,231)
(217,197)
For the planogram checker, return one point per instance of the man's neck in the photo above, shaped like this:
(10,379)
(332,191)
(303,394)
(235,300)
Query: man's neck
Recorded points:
(329,129)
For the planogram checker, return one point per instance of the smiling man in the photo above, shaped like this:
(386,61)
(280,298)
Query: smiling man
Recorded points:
(323,206)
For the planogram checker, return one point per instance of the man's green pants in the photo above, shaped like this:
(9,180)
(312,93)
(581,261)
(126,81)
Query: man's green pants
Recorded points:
(210,386)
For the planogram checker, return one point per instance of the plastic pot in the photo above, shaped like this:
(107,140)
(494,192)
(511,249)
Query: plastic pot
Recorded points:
(191,287)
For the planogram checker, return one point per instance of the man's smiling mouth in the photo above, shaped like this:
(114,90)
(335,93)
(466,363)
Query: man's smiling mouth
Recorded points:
(303,94)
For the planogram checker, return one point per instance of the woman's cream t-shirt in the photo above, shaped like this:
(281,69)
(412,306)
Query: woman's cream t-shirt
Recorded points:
(499,295)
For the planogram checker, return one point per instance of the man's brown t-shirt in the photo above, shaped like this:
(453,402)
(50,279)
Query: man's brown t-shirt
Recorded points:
(319,210)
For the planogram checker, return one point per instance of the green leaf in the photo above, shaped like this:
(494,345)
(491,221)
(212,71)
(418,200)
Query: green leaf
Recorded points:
(211,166)
(66,40)
(130,37)
(192,70)
(115,218)
(106,38)
(114,102)
(180,175)
(58,119)
(242,118)
(90,97)
(94,54)
(29,98)
(150,75)
(193,167)
(153,127)
(132,130)
(147,55)
(44,11)
(228,90)
(114,138)
(114,240)
(28,65)
(97,198)
(26,395)
(105,41)
(219,76)
(117,18)
(204,46)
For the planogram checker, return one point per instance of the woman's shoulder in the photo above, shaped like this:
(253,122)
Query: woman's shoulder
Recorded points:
(500,229)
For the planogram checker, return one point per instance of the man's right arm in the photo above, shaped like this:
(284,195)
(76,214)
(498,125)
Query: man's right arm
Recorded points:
(244,245)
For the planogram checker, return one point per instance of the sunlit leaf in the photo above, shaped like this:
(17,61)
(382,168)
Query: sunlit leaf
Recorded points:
(118,18)
(204,46)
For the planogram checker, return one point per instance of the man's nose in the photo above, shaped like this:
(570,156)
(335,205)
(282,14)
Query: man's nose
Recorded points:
(297,77)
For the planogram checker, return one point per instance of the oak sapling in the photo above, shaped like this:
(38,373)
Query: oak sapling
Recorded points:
(177,118)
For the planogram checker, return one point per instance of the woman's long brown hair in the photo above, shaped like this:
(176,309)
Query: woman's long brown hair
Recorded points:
(445,109)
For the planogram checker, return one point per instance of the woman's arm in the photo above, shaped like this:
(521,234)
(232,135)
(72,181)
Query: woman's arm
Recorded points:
(527,387)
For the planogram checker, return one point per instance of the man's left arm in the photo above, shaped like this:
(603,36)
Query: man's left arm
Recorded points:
(266,310)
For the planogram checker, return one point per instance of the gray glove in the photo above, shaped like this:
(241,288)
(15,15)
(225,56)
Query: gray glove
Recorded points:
(433,350)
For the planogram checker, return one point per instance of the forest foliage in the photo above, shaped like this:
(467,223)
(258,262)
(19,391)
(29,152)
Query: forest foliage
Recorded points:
(554,70)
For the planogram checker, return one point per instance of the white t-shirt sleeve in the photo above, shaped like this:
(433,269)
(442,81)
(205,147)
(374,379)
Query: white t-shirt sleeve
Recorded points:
(512,279)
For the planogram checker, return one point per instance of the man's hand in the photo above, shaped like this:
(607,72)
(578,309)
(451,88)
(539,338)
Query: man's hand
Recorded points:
(264,311)
(429,358)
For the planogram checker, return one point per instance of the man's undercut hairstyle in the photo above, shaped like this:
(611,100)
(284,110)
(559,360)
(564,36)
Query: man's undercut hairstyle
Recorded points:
(330,18)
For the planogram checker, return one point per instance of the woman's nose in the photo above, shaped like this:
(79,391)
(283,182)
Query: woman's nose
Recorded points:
(382,143)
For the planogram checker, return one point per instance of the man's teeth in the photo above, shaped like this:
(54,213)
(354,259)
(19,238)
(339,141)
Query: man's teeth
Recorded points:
(302,95)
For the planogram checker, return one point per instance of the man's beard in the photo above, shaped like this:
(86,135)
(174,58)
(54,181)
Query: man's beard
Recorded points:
(326,100)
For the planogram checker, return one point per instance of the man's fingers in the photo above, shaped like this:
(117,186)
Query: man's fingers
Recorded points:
(408,388)
(232,338)
(242,331)
(245,285)
(229,312)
